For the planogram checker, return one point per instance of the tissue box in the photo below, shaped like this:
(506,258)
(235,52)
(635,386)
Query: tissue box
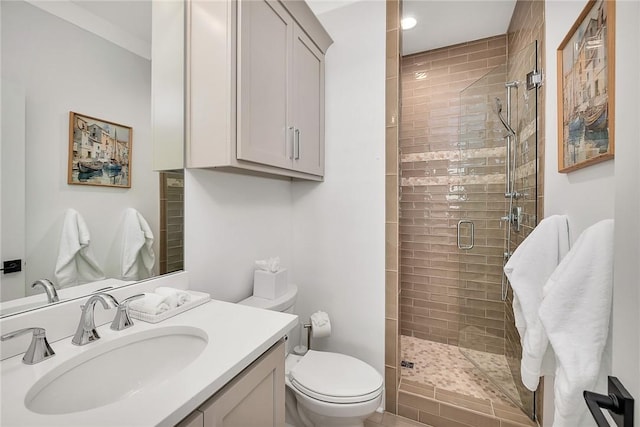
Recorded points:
(269,285)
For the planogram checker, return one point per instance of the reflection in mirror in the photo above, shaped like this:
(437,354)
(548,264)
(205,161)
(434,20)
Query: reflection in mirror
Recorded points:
(92,58)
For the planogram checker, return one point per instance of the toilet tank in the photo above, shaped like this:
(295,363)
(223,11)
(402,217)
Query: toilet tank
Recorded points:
(284,304)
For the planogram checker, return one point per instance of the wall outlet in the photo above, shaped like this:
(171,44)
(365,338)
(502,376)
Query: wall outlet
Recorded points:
(13,266)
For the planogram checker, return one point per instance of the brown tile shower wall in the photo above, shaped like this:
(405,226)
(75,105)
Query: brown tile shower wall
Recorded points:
(392,288)
(434,305)
(171,222)
(526,27)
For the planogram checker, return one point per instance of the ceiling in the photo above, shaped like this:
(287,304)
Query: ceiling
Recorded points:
(446,23)
(440,22)
(133,16)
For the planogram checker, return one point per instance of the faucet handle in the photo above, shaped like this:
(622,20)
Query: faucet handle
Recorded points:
(122,320)
(38,350)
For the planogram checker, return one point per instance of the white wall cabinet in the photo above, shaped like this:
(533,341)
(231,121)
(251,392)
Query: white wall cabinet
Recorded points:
(255,398)
(167,85)
(280,90)
(308,105)
(255,87)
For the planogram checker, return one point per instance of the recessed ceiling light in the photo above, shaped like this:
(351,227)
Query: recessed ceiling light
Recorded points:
(408,23)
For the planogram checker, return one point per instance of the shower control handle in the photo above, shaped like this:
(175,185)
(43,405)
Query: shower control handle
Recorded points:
(470,245)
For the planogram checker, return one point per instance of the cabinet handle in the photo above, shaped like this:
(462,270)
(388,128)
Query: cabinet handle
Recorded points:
(292,142)
(296,145)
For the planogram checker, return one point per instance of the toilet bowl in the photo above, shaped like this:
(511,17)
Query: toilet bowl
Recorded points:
(332,389)
(325,389)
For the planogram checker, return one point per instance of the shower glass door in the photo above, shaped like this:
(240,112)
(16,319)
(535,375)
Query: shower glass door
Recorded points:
(487,233)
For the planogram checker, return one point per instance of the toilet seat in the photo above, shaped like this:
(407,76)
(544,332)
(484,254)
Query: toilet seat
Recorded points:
(335,378)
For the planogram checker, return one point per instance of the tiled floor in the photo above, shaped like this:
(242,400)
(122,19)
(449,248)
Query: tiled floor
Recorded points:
(445,367)
(390,420)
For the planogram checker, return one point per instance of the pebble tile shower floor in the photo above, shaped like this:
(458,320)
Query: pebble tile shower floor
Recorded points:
(445,389)
(445,367)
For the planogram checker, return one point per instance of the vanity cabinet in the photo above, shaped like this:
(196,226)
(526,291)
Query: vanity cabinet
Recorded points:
(255,87)
(254,398)
(194,419)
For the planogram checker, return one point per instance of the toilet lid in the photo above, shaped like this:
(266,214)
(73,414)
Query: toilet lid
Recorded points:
(336,378)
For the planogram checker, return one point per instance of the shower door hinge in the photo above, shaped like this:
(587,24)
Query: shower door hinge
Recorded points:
(534,79)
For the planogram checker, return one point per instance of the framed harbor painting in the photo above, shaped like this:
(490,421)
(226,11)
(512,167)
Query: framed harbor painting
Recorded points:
(586,88)
(99,152)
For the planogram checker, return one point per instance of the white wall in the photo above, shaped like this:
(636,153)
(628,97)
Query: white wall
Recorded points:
(626,291)
(338,225)
(12,190)
(585,195)
(329,235)
(606,190)
(231,220)
(64,68)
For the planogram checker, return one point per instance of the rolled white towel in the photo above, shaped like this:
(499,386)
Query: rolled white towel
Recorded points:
(174,296)
(152,304)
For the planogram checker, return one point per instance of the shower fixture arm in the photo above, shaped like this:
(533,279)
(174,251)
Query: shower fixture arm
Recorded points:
(514,214)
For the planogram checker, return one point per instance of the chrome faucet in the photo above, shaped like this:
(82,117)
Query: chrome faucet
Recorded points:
(122,320)
(38,350)
(86,331)
(49,289)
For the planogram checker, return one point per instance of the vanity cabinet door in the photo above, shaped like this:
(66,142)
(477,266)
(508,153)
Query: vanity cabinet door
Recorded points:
(308,105)
(264,69)
(195,419)
(255,398)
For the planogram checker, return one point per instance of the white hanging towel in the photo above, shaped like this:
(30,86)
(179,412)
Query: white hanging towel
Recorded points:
(76,263)
(575,313)
(138,257)
(528,270)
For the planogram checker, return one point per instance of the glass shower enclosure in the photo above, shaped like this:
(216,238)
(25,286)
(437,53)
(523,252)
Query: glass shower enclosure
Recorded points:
(496,190)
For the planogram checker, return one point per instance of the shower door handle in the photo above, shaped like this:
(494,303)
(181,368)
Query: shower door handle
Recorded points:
(470,245)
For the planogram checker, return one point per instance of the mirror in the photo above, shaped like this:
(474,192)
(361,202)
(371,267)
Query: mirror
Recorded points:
(91,58)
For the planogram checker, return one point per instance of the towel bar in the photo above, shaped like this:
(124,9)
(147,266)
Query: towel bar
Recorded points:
(619,403)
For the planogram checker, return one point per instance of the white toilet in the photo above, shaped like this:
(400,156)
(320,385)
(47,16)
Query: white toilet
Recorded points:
(324,389)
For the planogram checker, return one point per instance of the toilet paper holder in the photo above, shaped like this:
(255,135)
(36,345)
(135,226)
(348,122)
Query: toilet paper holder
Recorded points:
(319,320)
(307,326)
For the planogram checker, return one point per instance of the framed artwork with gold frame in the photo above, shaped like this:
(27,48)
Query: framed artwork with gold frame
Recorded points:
(586,82)
(99,152)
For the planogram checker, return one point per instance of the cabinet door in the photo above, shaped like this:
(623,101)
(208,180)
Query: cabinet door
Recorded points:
(308,105)
(264,67)
(194,419)
(255,398)
(167,84)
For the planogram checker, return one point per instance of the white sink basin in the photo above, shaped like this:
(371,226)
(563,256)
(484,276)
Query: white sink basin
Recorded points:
(103,374)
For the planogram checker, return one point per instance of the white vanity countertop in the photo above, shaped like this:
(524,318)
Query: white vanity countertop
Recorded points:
(237,335)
